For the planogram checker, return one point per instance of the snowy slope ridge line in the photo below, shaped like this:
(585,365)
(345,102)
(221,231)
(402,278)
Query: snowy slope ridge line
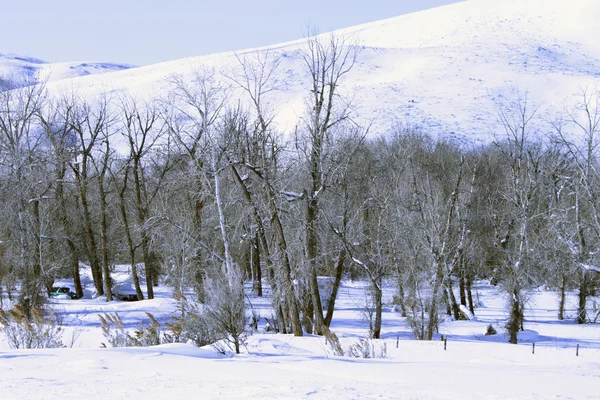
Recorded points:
(446,70)
(18,67)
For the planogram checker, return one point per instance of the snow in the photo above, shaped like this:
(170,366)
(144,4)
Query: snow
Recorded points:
(591,267)
(447,70)
(274,366)
(14,66)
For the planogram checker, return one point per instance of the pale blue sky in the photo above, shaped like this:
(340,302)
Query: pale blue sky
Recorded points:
(149,31)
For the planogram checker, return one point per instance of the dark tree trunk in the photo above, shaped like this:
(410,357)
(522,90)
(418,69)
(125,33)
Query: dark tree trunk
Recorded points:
(470,295)
(339,270)
(463,290)
(104,238)
(68,232)
(583,293)
(432,310)
(515,321)
(91,241)
(307,309)
(447,302)
(286,267)
(378,298)
(130,245)
(312,253)
(142,215)
(256,270)
(561,303)
(401,294)
(453,304)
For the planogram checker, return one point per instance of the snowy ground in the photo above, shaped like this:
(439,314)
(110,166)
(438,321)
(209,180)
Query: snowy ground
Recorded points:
(275,366)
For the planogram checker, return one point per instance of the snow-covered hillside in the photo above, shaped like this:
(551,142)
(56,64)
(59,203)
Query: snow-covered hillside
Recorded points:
(446,69)
(17,67)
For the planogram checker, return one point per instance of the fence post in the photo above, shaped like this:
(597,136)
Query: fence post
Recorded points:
(397,340)
(533,348)
(445,340)
(577,351)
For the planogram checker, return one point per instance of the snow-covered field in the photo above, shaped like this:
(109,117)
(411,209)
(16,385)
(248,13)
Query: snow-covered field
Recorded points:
(275,366)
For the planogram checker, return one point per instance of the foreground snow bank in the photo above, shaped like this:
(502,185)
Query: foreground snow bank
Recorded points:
(279,366)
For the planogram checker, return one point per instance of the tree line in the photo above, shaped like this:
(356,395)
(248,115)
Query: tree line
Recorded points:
(201,192)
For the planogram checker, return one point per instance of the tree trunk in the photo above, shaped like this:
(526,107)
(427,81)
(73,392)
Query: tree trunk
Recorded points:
(516,317)
(307,308)
(91,239)
(561,303)
(401,294)
(130,245)
(286,267)
(142,214)
(68,232)
(339,270)
(148,263)
(453,304)
(433,305)
(378,298)
(312,253)
(470,295)
(104,238)
(463,289)
(256,270)
(583,292)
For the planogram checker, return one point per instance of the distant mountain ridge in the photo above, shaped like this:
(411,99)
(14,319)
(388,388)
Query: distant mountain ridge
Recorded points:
(19,67)
(445,70)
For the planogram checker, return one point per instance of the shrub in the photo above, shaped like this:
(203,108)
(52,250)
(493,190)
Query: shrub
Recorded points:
(224,309)
(363,348)
(37,331)
(190,326)
(117,336)
(490,330)
(334,343)
(366,348)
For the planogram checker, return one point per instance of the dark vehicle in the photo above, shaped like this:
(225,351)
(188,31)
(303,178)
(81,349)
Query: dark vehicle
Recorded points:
(63,292)
(127,297)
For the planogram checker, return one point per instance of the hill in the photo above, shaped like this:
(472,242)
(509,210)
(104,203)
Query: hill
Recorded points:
(17,67)
(445,70)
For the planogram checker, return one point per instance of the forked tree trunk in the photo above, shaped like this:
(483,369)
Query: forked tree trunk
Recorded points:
(432,310)
(312,253)
(470,295)
(286,267)
(339,269)
(127,229)
(583,293)
(104,238)
(91,241)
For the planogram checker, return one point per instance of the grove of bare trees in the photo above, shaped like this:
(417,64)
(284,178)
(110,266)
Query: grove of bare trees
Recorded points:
(200,191)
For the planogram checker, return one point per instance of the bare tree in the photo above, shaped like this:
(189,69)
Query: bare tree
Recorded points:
(56,121)
(90,123)
(19,141)
(327,61)
(143,129)
(578,227)
(259,156)
(524,162)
